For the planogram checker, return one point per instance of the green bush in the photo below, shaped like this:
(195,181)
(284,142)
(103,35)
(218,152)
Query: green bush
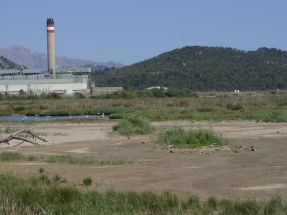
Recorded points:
(192,138)
(87,181)
(41,170)
(135,125)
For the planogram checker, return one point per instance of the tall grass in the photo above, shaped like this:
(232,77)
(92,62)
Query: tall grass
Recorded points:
(249,106)
(43,195)
(134,125)
(11,156)
(192,138)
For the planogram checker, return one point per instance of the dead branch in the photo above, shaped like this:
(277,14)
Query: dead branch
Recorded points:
(15,136)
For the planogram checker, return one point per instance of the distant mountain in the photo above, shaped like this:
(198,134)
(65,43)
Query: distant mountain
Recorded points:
(7,64)
(36,60)
(96,67)
(202,68)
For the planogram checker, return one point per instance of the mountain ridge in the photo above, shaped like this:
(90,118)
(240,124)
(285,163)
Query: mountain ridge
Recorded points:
(36,60)
(8,64)
(203,68)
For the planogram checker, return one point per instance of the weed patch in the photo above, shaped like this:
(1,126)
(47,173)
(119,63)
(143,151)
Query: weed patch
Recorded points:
(192,138)
(134,125)
(67,159)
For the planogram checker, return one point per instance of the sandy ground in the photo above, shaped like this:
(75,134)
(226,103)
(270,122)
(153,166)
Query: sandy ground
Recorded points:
(228,172)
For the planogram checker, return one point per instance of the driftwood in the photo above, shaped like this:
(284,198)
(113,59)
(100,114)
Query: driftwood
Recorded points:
(15,136)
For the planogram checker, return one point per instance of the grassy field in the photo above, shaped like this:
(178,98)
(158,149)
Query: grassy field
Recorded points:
(40,194)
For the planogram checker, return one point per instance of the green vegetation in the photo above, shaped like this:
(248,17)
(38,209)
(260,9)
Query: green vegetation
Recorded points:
(154,93)
(15,156)
(134,125)
(258,106)
(41,170)
(10,129)
(11,156)
(87,181)
(192,138)
(44,195)
(201,68)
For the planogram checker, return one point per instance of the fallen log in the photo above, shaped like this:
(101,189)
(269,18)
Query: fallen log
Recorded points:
(15,136)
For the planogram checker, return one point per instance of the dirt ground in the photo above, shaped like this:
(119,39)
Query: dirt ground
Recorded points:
(228,172)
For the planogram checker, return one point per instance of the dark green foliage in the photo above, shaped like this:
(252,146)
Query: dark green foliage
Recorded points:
(41,170)
(79,95)
(236,106)
(21,92)
(154,93)
(212,203)
(53,95)
(203,69)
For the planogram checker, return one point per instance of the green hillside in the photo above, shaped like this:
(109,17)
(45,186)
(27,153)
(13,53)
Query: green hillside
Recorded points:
(7,64)
(203,69)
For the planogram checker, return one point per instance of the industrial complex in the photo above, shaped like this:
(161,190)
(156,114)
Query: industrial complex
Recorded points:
(59,80)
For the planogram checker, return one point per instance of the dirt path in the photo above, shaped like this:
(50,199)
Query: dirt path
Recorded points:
(231,172)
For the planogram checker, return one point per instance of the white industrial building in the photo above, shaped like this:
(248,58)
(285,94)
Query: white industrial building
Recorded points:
(31,80)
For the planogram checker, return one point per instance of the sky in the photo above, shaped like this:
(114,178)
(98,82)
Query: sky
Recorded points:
(130,31)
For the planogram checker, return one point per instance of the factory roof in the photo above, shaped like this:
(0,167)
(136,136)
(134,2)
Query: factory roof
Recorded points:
(83,69)
(9,72)
(31,71)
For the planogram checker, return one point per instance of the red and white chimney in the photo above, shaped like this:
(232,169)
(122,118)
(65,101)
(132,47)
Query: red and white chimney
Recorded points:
(51,46)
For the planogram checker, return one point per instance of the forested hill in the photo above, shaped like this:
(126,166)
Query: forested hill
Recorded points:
(7,64)
(203,69)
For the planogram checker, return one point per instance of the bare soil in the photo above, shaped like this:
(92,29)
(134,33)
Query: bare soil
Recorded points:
(254,165)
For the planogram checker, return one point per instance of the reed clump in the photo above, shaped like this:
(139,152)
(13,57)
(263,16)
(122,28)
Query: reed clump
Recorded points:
(191,138)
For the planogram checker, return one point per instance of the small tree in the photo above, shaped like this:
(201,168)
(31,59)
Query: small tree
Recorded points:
(21,92)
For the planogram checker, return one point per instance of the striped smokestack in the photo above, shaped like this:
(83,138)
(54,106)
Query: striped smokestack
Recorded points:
(51,46)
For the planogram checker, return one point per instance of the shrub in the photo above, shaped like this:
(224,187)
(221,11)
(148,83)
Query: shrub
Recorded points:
(87,181)
(274,116)
(205,109)
(41,170)
(193,138)
(57,177)
(236,106)
(135,125)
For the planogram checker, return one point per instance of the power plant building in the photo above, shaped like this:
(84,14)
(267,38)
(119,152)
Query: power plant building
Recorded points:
(57,80)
